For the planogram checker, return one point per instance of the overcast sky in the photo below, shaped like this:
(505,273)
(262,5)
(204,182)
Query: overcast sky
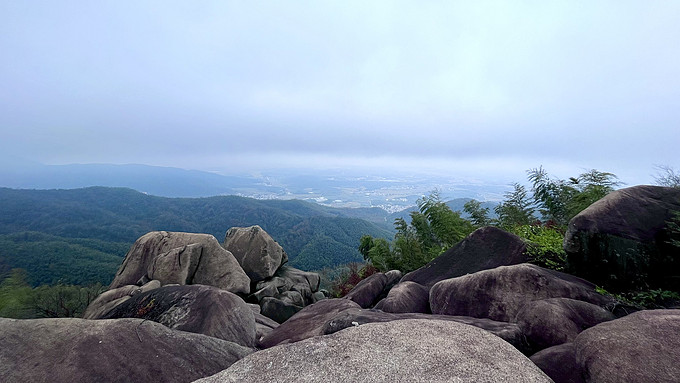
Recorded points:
(474,87)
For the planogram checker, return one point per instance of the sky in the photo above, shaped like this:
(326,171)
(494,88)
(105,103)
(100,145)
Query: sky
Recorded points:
(477,88)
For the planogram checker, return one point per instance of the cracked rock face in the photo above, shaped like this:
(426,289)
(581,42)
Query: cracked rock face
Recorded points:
(181,258)
(256,251)
(199,309)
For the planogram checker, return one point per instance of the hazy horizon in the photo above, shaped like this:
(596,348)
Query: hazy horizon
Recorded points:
(481,90)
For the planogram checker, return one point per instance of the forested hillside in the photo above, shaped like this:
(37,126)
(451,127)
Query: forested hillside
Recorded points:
(81,235)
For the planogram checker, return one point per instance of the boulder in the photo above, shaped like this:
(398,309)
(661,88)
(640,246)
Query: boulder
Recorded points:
(183,258)
(367,290)
(199,309)
(640,347)
(256,251)
(398,351)
(559,363)
(406,297)
(509,332)
(285,279)
(112,298)
(308,322)
(550,322)
(277,309)
(621,241)
(485,248)
(500,293)
(116,350)
(263,326)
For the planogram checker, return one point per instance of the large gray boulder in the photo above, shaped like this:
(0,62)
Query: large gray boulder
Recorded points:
(485,248)
(116,350)
(199,309)
(308,322)
(398,351)
(550,322)
(112,298)
(621,241)
(351,317)
(640,347)
(181,258)
(286,292)
(256,251)
(559,363)
(500,293)
(406,297)
(368,290)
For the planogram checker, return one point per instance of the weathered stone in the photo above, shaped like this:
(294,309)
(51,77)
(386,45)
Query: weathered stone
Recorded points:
(485,248)
(117,350)
(199,309)
(549,322)
(393,277)
(398,351)
(106,301)
(500,293)
(309,322)
(263,326)
(266,291)
(640,347)
(256,251)
(292,297)
(288,278)
(621,241)
(509,332)
(406,297)
(277,309)
(198,256)
(317,296)
(367,290)
(559,363)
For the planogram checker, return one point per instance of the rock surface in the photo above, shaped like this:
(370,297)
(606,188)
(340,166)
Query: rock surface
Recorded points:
(307,323)
(559,363)
(368,290)
(406,297)
(550,322)
(183,258)
(111,298)
(399,351)
(256,251)
(500,293)
(117,350)
(199,309)
(509,332)
(278,310)
(640,347)
(485,248)
(620,241)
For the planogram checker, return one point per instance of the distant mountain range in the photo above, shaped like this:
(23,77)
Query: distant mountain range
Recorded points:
(336,188)
(77,235)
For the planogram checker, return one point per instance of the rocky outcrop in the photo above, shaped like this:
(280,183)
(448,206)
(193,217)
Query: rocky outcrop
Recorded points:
(307,323)
(182,258)
(485,248)
(621,241)
(398,351)
(550,322)
(199,309)
(286,292)
(406,297)
(368,290)
(641,347)
(112,298)
(351,317)
(500,293)
(256,251)
(117,350)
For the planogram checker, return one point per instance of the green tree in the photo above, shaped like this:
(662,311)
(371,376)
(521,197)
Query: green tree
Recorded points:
(560,200)
(479,216)
(517,208)
(667,176)
(16,296)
